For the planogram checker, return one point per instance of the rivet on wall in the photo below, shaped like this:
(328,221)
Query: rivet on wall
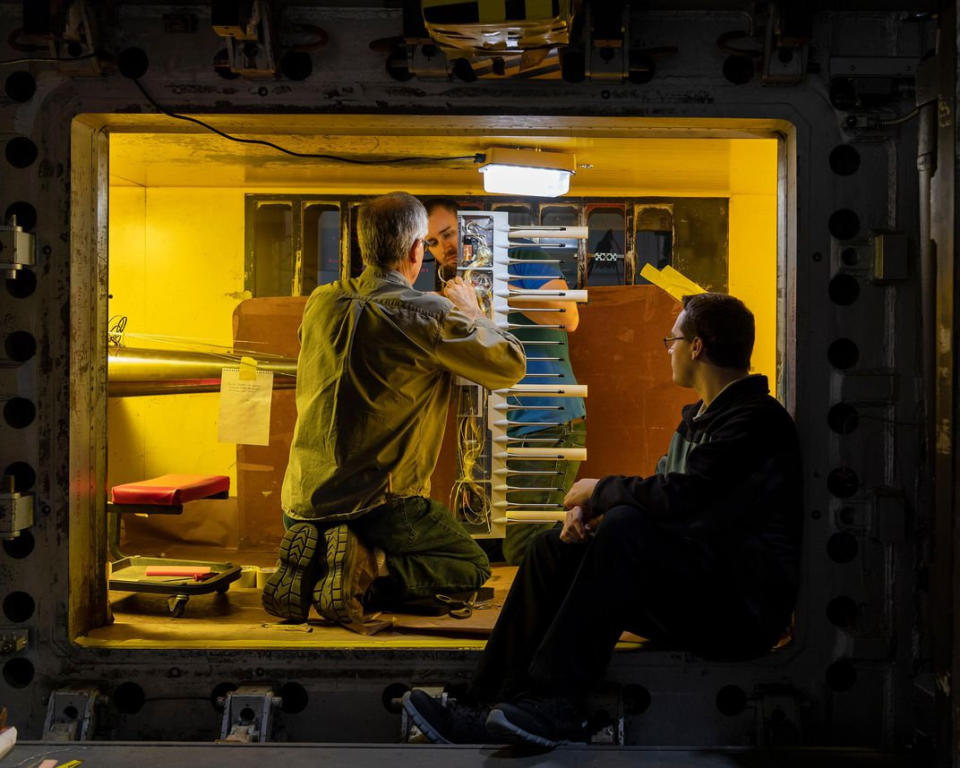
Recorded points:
(843,418)
(23,285)
(843,353)
(842,611)
(19,607)
(843,289)
(24,477)
(20,346)
(21,152)
(391,697)
(19,412)
(738,69)
(636,699)
(842,547)
(294,697)
(842,482)
(731,700)
(844,160)
(296,65)
(841,675)
(18,672)
(844,224)
(26,215)
(128,698)
(20,547)
(133,63)
(20,86)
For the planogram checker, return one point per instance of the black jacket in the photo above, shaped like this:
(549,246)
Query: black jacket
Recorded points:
(735,490)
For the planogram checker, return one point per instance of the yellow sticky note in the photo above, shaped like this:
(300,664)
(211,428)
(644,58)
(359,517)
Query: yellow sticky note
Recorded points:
(248,369)
(670,280)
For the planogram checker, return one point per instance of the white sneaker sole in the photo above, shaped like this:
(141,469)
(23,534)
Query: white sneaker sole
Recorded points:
(421,722)
(500,727)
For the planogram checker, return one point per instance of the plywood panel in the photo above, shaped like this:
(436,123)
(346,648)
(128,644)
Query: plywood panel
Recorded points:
(632,410)
(267,325)
(633,405)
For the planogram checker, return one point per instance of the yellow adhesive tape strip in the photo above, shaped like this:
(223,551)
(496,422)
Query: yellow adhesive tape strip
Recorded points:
(672,282)
(71,764)
(248,369)
(691,287)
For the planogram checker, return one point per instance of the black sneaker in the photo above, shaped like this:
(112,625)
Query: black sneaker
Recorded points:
(450,723)
(544,722)
(289,590)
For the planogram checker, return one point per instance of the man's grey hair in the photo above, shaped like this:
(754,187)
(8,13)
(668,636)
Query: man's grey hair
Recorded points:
(387,228)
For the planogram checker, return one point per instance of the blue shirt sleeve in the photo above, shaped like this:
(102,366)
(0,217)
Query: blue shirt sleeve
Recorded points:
(533,274)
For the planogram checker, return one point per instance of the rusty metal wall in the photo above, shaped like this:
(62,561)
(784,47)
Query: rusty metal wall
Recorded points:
(858,662)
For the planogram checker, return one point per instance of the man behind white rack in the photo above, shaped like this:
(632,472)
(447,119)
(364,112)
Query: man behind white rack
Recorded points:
(547,422)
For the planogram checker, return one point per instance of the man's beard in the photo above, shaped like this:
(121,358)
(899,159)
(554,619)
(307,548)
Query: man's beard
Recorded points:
(448,271)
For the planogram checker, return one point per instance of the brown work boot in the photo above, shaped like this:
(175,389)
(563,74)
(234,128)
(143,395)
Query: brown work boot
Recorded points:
(351,568)
(288,591)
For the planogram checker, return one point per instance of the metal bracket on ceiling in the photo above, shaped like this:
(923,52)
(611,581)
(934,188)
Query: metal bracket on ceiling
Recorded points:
(246,26)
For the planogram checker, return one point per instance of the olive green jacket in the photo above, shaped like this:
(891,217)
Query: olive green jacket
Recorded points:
(377,365)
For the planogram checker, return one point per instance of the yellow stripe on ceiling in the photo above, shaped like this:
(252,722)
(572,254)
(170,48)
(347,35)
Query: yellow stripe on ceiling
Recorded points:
(492,11)
(539,9)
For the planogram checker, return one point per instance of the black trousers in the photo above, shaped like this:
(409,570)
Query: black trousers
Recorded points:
(569,603)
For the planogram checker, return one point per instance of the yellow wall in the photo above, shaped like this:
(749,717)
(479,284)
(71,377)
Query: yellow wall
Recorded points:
(176,269)
(753,243)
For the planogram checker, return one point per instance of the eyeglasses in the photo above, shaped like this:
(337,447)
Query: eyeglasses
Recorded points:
(668,341)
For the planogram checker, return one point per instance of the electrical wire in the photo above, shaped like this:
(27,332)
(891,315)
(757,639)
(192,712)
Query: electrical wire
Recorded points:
(468,491)
(477,158)
(727,37)
(28,59)
(895,120)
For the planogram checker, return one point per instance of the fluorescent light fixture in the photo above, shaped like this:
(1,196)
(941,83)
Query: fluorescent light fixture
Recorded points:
(527,172)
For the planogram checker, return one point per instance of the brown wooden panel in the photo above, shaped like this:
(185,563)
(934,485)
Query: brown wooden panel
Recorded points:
(266,325)
(632,410)
(633,406)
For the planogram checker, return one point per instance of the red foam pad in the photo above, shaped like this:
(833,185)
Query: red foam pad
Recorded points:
(168,490)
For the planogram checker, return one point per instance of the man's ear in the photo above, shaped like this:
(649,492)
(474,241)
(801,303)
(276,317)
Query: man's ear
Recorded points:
(412,253)
(696,348)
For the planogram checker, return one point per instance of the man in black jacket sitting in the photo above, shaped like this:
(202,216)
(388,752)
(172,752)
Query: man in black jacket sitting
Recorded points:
(702,556)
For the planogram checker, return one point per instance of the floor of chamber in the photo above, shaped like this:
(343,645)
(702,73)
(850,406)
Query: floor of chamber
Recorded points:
(236,619)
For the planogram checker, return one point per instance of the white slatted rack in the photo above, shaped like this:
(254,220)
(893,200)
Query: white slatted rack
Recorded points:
(498,419)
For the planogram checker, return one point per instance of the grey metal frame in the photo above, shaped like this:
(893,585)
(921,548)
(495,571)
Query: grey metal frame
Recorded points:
(874,682)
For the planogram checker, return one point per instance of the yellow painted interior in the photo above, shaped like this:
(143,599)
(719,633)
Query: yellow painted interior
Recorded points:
(176,270)
(752,273)
(177,240)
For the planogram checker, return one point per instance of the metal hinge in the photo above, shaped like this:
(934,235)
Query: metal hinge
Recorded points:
(248,714)
(71,714)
